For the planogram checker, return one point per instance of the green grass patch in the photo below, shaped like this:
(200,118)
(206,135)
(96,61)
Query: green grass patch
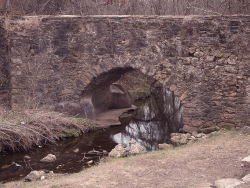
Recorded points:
(70,133)
(227,127)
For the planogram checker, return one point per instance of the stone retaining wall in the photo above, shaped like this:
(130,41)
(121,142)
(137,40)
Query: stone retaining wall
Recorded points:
(203,60)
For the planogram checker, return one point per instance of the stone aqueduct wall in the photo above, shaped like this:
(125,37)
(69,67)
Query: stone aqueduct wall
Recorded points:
(204,60)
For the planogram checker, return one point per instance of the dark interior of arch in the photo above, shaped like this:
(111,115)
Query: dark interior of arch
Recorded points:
(106,79)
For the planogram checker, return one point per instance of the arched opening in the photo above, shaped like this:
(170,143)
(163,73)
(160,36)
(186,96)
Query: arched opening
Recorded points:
(155,119)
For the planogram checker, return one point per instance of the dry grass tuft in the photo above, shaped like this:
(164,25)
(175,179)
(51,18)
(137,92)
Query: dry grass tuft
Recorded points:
(30,128)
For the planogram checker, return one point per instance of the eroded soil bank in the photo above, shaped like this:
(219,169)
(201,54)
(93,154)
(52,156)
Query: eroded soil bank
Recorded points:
(196,165)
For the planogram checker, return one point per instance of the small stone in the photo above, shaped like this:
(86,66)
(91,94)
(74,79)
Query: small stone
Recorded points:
(194,133)
(132,142)
(246,162)
(90,162)
(199,135)
(198,54)
(246,178)
(76,150)
(180,138)
(227,183)
(164,146)
(175,139)
(49,159)
(34,175)
(210,59)
(27,157)
(184,138)
(119,151)
(191,50)
(137,150)
(43,177)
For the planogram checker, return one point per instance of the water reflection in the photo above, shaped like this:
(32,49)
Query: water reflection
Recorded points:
(153,122)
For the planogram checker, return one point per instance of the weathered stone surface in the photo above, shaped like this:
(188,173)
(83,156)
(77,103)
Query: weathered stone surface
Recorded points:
(179,138)
(137,150)
(70,58)
(164,146)
(246,162)
(246,178)
(227,183)
(48,159)
(119,151)
(34,175)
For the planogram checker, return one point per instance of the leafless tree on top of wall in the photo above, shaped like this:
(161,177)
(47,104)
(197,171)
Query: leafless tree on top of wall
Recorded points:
(125,7)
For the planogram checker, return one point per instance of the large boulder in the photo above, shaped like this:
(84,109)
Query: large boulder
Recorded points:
(137,150)
(119,151)
(34,175)
(48,159)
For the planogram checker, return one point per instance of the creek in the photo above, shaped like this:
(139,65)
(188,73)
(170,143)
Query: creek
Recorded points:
(152,123)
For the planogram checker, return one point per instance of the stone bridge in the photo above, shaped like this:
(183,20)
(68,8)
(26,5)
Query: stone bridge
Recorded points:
(67,60)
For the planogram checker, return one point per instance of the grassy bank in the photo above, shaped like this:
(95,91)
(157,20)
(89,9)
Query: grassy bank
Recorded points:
(22,130)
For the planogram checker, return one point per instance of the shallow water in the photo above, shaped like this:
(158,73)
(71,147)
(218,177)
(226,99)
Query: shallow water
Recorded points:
(152,123)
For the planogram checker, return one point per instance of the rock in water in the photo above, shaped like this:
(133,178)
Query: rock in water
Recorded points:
(34,175)
(119,151)
(49,159)
(137,150)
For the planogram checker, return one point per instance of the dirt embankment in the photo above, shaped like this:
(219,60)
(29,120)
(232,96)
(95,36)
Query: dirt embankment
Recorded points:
(197,165)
